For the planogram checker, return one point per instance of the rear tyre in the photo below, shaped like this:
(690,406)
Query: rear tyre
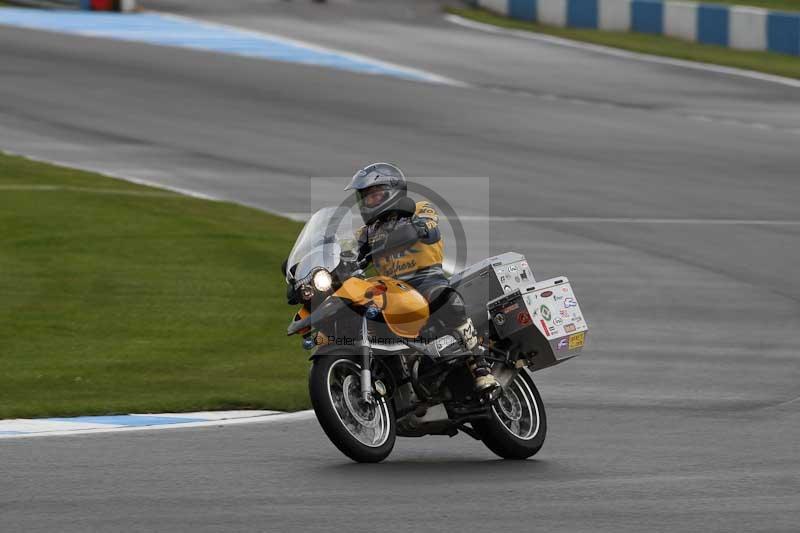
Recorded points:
(517,423)
(363,431)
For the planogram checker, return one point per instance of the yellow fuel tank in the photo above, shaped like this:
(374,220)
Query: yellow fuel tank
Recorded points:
(404,309)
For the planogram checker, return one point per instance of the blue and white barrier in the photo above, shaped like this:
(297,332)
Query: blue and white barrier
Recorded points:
(740,27)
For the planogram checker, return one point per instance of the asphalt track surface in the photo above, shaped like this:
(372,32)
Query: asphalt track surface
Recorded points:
(682,416)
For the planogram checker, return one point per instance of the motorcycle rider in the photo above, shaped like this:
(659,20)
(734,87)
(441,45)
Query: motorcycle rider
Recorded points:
(408,245)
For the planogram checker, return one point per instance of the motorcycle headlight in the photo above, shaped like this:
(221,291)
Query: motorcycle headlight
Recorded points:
(322,281)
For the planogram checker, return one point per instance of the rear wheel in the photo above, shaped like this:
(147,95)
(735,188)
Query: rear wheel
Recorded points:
(363,431)
(517,423)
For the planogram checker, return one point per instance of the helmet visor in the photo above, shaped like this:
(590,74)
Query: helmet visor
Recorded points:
(374,196)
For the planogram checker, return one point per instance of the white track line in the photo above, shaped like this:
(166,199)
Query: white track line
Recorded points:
(121,192)
(264,419)
(607,50)
(111,174)
(634,220)
(303,217)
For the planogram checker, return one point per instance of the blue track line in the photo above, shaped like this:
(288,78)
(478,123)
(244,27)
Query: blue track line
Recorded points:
(127,420)
(167,30)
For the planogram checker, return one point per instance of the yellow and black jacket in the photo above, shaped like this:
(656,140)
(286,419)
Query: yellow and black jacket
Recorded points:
(424,255)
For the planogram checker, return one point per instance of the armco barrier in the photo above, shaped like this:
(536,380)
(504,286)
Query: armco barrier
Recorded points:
(109,5)
(93,5)
(740,27)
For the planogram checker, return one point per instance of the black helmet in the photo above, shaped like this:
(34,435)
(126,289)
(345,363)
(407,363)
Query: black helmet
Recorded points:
(379,189)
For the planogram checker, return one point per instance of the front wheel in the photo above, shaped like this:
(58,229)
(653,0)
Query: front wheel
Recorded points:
(517,424)
(363,431)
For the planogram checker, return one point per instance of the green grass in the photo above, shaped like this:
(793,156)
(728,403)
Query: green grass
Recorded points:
(118,298)
(771,63)
(775,5)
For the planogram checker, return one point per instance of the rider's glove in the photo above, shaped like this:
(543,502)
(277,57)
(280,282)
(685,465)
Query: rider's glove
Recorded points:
(421,226)
(403,234)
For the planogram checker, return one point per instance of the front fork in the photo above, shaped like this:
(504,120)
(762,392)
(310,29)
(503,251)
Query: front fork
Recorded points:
(366,363)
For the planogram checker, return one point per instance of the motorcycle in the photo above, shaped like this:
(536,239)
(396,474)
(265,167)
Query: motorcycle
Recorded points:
(381,366)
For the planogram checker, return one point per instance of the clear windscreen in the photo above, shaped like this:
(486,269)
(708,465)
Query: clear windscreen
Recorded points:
(325,236)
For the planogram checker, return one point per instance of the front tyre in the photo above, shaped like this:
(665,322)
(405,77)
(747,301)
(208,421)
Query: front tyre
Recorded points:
(517,423)
(363,431)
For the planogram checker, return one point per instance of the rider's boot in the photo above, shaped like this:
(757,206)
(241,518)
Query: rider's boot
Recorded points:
(485,382)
